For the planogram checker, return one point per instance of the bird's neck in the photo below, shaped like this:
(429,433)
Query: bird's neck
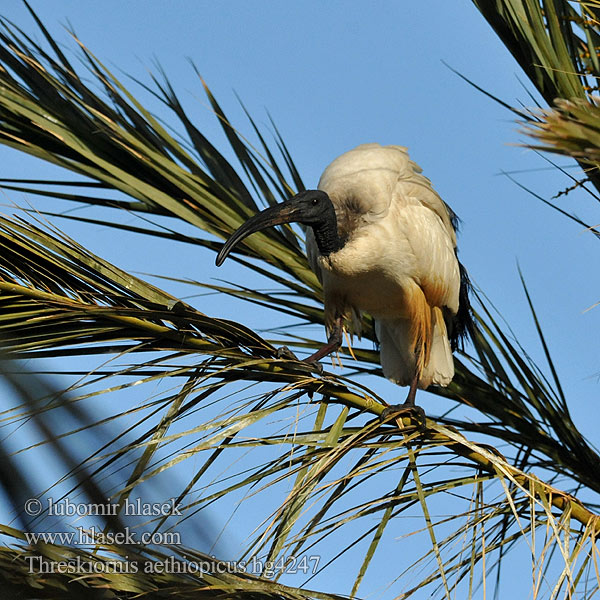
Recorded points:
(326,234)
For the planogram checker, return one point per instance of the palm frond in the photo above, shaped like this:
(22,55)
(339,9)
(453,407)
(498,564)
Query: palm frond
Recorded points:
(317,445)
(108,572)
(555,43)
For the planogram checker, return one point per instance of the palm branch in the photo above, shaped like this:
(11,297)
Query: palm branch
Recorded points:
(235,420)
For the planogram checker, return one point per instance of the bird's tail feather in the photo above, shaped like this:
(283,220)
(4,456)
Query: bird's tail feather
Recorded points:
(402,353)
(396,358)
(440,367)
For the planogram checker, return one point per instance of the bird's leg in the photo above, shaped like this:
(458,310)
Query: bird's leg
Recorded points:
(334,341)
(409,407)
(412,392)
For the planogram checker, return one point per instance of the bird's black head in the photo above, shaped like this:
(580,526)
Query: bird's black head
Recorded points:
(311,207)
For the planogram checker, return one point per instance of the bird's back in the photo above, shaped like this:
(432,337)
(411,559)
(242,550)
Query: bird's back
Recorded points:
(376,176)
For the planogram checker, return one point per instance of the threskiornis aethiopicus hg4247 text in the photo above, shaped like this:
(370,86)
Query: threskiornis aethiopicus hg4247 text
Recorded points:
(381,240)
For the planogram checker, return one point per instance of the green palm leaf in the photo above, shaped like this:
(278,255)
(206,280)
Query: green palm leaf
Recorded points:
(317,436)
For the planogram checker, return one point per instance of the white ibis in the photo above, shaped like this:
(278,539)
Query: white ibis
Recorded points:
(382,241)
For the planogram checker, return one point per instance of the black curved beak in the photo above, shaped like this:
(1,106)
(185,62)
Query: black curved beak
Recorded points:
(286,212)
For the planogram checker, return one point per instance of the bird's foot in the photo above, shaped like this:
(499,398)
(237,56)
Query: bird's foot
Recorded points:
(316,365)
(397,411)
(286,353)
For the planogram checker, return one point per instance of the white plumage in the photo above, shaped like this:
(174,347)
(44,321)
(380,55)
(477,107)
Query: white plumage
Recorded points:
(381,240)
(398,262)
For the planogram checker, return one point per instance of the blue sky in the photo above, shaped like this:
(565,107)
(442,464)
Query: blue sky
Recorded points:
(337,74)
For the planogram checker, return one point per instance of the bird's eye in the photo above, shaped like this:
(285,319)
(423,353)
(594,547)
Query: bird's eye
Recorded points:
(315,201)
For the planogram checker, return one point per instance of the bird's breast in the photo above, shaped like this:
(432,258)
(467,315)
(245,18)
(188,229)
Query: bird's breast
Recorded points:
(366,277)
(387,263)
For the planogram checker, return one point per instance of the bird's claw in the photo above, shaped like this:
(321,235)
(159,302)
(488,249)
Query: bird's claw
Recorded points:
(316,365)
(397,411)
(286,353)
